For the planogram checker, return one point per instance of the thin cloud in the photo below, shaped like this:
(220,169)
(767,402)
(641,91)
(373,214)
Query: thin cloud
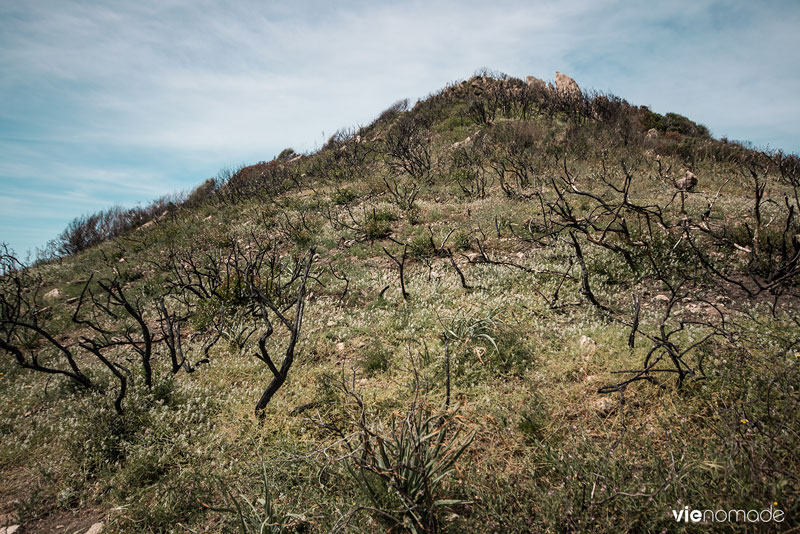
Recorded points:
(124,101)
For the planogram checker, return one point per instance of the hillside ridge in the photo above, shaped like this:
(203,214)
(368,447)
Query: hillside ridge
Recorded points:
(509,307)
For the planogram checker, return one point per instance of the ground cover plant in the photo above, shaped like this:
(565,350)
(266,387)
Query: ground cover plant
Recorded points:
(506,308)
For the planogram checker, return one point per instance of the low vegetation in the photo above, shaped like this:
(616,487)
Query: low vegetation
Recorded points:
(504,309)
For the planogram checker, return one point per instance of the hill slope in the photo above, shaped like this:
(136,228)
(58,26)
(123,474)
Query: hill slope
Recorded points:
(509,308)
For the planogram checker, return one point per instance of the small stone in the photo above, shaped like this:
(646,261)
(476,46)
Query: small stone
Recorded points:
(604,406)
(97,528)
(340,347)
(462,143)
(330,323)
(9,530)
(694,308)
(588,346)
(661,298)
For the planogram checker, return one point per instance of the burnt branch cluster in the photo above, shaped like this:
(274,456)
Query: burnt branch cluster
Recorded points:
(663,246)
(225,293)
(684,246)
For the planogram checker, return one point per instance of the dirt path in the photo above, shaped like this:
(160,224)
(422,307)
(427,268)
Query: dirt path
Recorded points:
(36,512)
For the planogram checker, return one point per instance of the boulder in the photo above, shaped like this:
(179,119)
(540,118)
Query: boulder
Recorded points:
(566,85)
(52,294)
(686,183)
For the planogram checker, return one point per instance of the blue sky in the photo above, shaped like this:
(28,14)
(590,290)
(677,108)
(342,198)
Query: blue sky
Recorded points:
(120,102)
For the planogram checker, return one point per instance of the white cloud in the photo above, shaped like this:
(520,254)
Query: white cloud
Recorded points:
(199,77)
(144,96)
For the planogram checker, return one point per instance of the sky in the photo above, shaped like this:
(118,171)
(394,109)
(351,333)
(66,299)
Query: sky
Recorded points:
(111,102)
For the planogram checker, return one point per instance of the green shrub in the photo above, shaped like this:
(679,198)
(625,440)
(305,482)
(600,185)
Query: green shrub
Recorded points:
(378,224)
(532,420)
(171,501)
(286,153)
(375,358)
(653,120)
(258,516)
(421,246)
(402,470)
(460,241)
(201,194)
(343,196)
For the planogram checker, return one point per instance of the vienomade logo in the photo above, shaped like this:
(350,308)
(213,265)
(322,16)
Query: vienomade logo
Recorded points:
(766,515)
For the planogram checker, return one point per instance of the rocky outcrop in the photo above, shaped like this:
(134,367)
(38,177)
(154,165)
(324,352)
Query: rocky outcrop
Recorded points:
(536,83)
(566,85)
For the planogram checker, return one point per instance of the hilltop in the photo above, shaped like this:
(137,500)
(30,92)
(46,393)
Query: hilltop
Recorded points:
(513,306)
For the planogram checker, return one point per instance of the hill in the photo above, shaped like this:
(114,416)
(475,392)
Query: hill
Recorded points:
(511,307)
